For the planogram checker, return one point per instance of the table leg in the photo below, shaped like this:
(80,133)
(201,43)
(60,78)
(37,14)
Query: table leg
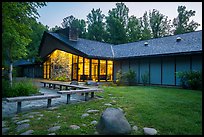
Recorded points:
(49,103)
(18,107)
(86,96)
(68,98)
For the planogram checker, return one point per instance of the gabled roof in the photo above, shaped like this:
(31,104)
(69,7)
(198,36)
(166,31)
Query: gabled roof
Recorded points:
(89,47)
(190,42)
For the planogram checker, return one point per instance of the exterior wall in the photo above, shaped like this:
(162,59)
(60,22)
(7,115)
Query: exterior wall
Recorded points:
(168,70)
(182,64)
(197,62)
(162,70)
(33,71)
(125,66)
(134,65)
(155,71)
(116,67)
(144,68)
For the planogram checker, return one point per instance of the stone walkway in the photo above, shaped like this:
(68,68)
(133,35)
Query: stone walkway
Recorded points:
(9,109)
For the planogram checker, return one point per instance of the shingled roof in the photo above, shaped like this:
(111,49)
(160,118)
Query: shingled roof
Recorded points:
(190,42)
(88,47)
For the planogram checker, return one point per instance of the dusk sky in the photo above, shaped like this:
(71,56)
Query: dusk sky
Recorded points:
(54,12)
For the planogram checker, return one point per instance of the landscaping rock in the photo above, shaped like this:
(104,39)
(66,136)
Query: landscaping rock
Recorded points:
(149,131)
(23,121)
(94,122)
(108,104)
(23,126)
(52,134)
(29,132)
(85,115)
(92,111)
(54,128)
(113,122)
(75,127)
(135,128)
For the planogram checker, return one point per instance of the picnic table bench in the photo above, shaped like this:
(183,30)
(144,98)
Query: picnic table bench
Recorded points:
(29,98)
(86,91)
(53,84)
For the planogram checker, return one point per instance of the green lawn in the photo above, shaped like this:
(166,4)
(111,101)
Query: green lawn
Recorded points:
(170,111)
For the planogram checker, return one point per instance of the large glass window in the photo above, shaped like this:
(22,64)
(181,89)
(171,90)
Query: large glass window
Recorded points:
(102,70)
(110,70)
(86,68)
(80,69)
(66,66)
(94,69)
(75,67)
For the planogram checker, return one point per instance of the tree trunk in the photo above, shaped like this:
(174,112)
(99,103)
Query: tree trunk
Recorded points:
(10,73)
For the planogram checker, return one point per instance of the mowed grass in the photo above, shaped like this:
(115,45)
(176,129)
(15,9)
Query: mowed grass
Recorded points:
(170,111)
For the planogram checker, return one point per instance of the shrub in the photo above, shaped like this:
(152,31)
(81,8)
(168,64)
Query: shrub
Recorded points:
(145,78)
(119,77)
(20,88)
(130,76)
(190,79)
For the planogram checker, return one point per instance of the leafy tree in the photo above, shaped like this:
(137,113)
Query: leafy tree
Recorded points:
(134,30)
(16,31)
(116,23)
(96,30)
(72,22)
(33,48)
(159,24)
(181,22)
(146,30)
(53,29)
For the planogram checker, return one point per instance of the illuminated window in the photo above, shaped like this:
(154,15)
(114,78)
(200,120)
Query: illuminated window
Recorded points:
(110,71)
(103,70)
(94,69)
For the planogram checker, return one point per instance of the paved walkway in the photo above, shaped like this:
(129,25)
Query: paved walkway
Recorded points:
(9,109)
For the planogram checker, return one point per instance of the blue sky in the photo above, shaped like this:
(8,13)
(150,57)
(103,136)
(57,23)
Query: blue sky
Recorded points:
(54,12)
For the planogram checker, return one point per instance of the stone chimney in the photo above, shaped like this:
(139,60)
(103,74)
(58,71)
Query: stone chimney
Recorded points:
(73,34)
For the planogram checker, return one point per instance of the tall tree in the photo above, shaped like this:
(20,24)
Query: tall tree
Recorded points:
(134,30)
(53,29)
(71,21)
(38,29)
(159,23)
(116,23)
(96,30)
(182,22)
(16,17)
(146,30)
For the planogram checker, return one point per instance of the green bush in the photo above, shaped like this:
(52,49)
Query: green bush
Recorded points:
(130,76)
(145,78)
(20,88)
(119,77)
(190,79)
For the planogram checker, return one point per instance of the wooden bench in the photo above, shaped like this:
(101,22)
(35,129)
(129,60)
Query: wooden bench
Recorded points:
(29,98)
(86,91)
(53,84)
